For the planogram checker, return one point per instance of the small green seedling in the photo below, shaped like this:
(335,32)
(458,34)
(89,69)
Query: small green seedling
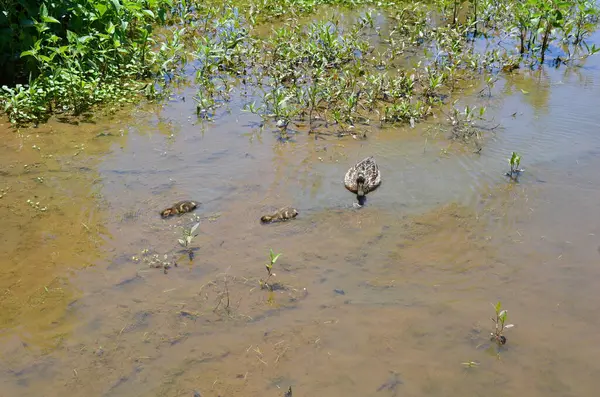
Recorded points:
(273,258)
(499,325)
(515,162)
(186,241)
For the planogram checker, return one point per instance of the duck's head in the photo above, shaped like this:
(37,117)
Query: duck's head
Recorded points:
(360,185)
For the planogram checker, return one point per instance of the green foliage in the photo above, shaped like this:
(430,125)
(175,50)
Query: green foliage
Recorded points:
(188,236)
(67,56)
(265,283)
(536,25)
(515,162)
(500,324)
(464,126)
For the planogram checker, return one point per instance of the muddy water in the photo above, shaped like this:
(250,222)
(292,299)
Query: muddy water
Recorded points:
(390,299)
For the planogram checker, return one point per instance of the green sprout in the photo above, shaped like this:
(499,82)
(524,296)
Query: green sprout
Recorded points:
(273,258)
(515,162)
(499,325)
(186,241)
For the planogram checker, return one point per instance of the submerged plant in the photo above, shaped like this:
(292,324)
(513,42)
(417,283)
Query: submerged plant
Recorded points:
(499,325)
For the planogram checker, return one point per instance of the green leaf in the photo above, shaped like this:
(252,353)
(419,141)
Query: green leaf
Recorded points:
(181,242)
(162,15)
(28,53)
(49,19)
(116,4)
(193,229)
(149,13)
(101,8)
(498,307)
(72,37)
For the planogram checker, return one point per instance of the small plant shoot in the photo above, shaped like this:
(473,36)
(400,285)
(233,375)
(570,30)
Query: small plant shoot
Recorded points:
(499,325)
(264,284)
(186,240)
(515,171)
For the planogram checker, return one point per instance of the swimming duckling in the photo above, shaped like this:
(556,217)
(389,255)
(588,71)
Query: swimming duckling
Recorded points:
(283,214)
(179,208)
(362,178)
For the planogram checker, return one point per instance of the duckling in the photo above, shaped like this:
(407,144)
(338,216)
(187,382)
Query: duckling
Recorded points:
(283,214)
(179,208)
(362,178)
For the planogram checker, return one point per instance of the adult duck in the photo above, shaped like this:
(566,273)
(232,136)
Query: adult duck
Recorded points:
(362,178)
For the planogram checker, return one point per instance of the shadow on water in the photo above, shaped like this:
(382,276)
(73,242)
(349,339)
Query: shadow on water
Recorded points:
(400,287)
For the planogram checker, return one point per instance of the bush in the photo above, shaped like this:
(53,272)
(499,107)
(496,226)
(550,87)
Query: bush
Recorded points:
(67,56)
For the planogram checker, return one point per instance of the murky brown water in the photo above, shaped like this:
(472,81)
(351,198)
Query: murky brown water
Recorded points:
(388,300)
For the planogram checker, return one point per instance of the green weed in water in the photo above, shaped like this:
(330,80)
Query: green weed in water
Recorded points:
(515,162)
(187,238)
(269,266)
(499,324)
(66,58)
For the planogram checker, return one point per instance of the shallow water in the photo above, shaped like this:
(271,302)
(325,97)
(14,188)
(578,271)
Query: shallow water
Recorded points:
(402,286)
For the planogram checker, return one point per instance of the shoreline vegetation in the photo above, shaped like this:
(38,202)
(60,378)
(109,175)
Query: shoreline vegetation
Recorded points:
(392,62)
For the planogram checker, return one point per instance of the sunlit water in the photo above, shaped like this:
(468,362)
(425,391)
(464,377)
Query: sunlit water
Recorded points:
(389,299)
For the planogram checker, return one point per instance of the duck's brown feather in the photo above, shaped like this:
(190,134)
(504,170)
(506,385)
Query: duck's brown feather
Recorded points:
(369,168)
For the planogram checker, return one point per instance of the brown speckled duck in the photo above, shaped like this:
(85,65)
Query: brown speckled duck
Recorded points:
(179,208)
(362,178)
(283,214)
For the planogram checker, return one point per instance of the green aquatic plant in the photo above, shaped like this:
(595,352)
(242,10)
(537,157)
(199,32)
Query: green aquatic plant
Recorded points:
(515,162)
(499,324)
(464,127)
(264,284)
(187,238)
(338,71)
